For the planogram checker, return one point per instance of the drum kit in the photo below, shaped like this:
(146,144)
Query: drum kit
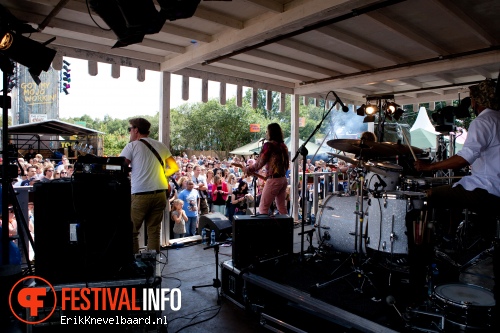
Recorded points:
(381,229)
(389,199)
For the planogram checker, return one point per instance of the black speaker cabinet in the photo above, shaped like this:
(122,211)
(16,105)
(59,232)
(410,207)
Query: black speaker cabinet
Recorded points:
(217,222)
(261,238)
(83,231)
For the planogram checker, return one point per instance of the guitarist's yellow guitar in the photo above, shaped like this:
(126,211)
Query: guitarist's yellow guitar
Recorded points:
(243,167)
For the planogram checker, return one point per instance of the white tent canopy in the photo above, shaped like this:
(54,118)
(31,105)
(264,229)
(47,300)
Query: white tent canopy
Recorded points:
(423,135)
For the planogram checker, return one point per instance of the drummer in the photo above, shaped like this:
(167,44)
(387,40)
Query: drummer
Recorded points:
(368,136)
(480,191)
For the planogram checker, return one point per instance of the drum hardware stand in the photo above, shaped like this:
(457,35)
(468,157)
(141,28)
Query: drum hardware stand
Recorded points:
(354,256)
(303,151)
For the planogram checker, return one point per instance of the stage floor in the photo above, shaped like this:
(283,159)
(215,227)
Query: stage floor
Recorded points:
(371,286)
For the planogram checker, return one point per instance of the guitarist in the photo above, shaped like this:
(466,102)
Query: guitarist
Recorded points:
(274,156)
(148,180)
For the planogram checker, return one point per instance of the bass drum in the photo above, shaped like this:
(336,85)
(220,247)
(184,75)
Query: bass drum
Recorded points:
(466,307)
(337,222)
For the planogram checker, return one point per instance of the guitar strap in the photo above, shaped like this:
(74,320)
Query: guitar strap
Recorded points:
(157,156)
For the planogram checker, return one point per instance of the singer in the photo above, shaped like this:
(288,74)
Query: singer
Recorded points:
(274,156)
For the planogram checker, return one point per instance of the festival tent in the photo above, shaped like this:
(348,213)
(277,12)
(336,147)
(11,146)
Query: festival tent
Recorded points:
(248,149)
(422,133)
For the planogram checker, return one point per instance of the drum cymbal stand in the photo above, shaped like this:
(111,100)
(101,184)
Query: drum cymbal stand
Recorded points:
(354,257)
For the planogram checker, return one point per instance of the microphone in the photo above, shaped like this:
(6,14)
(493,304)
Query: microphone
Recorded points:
(344,108)
(381,181)
(262,140)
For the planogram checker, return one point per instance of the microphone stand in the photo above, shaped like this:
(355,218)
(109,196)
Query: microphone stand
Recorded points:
(303,151)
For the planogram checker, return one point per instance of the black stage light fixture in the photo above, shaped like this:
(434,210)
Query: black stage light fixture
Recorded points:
(29,53)
(369,119)
(361,110)
(131,20)
(398,113)
(178,9)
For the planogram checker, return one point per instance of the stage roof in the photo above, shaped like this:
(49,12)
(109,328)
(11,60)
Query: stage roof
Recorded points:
(419,50)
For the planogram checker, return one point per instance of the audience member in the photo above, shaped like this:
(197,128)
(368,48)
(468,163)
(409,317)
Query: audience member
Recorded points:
(179,218)
(30,177)
(201,185)
(220,192)
(210,182)
(191,199)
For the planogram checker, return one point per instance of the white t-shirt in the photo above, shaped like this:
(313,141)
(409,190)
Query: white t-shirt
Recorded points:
(147,173)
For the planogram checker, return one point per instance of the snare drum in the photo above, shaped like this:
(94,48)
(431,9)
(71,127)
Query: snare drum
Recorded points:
(410,183)
(388,173)
(465,306)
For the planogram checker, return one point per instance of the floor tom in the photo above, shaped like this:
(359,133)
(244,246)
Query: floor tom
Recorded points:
(466,307)
(387,226)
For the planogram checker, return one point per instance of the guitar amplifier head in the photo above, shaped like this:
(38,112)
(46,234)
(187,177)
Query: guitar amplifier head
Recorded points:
(114,167)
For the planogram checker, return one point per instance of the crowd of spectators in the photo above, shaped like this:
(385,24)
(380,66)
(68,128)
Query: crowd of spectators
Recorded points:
(40,169)
(228,190)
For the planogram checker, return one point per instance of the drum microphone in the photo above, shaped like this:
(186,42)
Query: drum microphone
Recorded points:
(381,181)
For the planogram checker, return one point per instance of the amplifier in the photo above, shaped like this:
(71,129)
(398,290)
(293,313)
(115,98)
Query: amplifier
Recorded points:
(260,239)
(114,167)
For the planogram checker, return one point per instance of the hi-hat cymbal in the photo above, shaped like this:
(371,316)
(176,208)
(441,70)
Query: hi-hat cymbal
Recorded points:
(365,149)
(345,158)
(403,149)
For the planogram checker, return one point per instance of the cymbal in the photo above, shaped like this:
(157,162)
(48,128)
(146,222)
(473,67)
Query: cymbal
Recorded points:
(403,149)
(367,149)
(345,158)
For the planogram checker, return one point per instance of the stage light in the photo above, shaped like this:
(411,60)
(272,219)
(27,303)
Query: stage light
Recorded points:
(361,110)
(391,107)
(29,53)
(65,88)
(369,119)
(66,76)
(132,20)
(371,109)
(398,113)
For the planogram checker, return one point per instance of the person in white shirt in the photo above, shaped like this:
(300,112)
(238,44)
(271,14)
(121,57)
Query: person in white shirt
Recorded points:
(479,192)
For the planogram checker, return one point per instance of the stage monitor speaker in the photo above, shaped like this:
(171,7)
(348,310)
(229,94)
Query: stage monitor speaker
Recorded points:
(217,222)
(83,231)
(261,238)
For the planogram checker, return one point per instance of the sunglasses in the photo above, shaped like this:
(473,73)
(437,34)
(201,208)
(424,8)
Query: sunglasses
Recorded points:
(63,173)
(51,170)
(189,167)
(130,128)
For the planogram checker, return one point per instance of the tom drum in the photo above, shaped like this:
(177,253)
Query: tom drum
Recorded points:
(383,173)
